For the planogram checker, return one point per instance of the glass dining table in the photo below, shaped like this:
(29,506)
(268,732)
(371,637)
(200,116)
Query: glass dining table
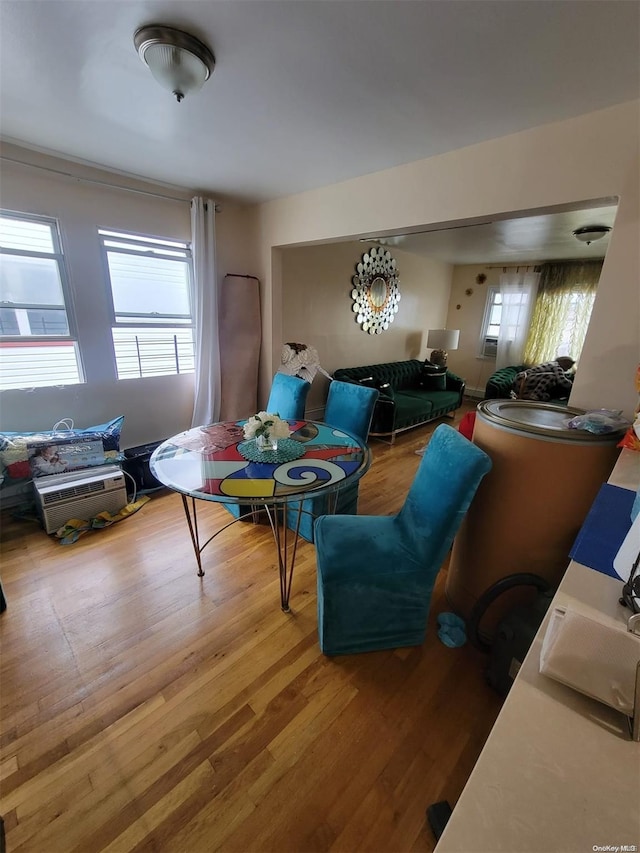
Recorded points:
(216,463)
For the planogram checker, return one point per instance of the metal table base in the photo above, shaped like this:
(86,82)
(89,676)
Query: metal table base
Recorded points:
(286,544)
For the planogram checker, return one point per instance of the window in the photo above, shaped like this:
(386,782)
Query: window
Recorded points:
(562,312)
(573,324)
(37,341)
(488,347)
(150,285)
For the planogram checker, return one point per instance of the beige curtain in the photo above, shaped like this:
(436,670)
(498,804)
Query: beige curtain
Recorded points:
(562,311)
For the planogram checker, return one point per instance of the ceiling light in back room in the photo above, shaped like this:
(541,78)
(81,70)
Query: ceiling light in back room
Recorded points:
(588,233)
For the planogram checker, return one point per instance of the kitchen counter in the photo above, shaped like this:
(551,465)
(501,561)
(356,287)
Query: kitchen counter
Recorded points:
(558,771)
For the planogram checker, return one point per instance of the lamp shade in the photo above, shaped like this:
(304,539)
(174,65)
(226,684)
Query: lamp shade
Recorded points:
(444,339)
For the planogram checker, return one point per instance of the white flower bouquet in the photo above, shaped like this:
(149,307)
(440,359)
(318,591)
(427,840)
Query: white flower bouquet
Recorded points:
(266,428)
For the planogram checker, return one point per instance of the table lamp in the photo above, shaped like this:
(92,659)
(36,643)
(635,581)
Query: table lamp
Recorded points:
(441,340)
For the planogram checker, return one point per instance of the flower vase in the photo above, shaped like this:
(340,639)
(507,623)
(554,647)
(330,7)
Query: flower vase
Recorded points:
(266,442)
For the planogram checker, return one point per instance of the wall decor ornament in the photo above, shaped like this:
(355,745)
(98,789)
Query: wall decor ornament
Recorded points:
(481,278)
(376,292)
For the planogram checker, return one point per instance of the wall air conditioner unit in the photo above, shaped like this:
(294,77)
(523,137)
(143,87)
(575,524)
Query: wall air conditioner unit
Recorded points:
(81,494)
(490,348)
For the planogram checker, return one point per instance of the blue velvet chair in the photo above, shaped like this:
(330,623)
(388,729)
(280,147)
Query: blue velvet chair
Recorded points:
(376,573)
(349,407)
(287,398)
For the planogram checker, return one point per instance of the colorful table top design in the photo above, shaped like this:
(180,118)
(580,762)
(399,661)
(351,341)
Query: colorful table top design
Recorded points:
(205,462)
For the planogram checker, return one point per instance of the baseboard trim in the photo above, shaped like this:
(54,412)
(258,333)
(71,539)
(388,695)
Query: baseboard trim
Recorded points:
(314,414)
(474,393)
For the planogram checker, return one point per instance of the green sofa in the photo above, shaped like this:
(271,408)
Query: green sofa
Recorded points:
(500,383)
(408,397)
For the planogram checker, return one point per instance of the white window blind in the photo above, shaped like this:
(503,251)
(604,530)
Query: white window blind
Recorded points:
(150,290)
(37,343)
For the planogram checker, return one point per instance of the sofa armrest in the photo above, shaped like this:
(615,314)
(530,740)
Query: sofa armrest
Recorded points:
(500,383)
(384,414)
(455,383)
(386,390)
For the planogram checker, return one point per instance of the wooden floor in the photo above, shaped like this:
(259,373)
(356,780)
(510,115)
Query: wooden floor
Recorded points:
(144,708)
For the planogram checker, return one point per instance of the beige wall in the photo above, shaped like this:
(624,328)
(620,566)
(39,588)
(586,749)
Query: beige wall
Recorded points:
(154,408)
(589,157)
(465,361)
(468,318)
(317,308)
(594,156)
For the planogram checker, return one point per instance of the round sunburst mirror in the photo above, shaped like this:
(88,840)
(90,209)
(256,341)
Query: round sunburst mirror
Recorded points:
(376,292)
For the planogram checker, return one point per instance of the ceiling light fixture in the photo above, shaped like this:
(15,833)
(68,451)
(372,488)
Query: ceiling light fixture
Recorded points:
(179,62)
(588,233)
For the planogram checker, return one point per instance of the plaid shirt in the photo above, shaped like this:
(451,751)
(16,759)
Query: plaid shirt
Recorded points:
(541,382)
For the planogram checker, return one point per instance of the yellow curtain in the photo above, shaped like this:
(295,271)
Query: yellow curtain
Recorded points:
(562,311)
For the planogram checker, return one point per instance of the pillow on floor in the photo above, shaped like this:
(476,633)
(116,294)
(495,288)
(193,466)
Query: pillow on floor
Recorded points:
(17,447)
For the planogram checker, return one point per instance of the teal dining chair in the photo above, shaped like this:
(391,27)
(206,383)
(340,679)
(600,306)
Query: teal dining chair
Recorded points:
(349,407)
(287,399)
(376,573)
(288,396)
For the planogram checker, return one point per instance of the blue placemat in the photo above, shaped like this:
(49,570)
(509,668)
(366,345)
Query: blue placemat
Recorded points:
(288,450)
(604,529)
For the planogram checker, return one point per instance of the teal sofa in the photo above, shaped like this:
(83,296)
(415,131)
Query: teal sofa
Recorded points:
(408,395)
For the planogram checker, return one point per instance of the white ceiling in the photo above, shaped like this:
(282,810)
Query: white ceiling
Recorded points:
(306,93)
(541,237)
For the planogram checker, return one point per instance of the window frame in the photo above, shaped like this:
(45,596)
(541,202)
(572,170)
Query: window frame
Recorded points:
(148,241)
(145,321)
(484,338)
(59,257)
